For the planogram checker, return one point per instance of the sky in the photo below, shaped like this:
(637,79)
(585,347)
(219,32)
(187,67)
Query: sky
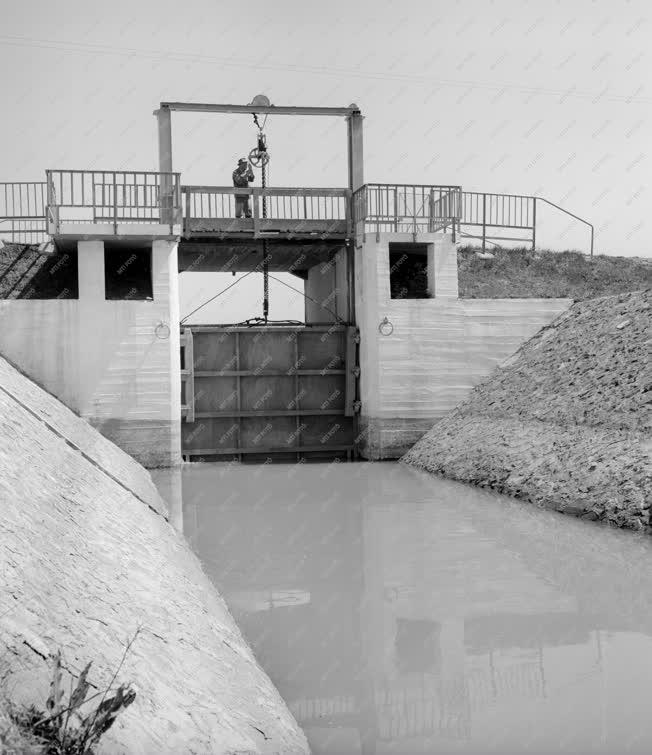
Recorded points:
(511,96)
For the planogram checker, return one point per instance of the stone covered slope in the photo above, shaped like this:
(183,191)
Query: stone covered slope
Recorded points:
(84,563)
(565,422)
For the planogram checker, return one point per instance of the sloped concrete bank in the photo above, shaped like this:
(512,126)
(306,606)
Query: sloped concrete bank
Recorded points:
(565,422)
(87,557)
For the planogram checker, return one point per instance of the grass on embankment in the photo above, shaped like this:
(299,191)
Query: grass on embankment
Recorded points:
(522,273)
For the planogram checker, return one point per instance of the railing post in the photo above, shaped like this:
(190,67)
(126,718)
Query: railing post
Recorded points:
(395,209)
(534,224)
(348,211)
(186,220)
(51,211)
(115,204)
(484,221)
(454,212)
(414,213)
(176,202)
(50,187)
(254,201)
(592,242)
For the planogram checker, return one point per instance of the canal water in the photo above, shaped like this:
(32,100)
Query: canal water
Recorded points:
(401,613)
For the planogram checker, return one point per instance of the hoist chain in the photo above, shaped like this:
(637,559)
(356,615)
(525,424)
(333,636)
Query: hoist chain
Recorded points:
(265,282)
(265,259)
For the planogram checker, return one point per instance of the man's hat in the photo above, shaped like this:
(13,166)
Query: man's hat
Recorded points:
(242,160)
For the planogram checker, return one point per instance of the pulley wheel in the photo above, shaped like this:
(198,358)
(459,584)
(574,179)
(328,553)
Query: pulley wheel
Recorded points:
(258,158)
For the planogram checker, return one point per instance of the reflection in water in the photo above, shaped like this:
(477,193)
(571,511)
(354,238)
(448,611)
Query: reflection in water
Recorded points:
(400,613)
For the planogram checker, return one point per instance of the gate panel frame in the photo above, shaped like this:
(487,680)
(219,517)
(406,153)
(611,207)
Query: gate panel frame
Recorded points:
(342,363)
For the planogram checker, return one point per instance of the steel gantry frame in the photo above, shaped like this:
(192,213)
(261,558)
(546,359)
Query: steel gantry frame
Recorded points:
(352,114)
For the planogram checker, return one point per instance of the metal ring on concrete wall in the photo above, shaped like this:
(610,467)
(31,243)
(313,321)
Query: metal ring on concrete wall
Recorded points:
(162,331)
(385,328)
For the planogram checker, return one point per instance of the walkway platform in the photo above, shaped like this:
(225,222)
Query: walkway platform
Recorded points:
(140,205)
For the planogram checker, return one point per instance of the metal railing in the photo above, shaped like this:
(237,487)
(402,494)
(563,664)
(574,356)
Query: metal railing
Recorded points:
(566,212)
(22,212)
(30,210)
(105,196)
(486,215)
(211,209)
(406,208)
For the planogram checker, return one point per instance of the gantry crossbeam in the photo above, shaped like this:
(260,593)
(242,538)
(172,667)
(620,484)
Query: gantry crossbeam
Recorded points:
(200,107)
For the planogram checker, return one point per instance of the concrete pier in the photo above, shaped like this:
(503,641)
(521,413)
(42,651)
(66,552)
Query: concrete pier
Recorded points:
(114,362)
(431,351)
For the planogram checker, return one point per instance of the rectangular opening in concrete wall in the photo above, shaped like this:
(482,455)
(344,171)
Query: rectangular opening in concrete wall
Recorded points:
(26,273)
(408,271)
(127,273)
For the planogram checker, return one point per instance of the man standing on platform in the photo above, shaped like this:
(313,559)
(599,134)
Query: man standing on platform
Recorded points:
(242,175)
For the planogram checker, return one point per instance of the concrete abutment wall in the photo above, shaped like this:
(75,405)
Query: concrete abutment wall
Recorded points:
(327,290)
(439,348)
(114,362)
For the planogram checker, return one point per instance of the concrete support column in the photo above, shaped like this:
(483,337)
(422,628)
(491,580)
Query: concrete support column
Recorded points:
(164,140)
(165,275)
(393,416)
(89,329)
(90,260)
(355,150)
(319,293)
(165,162)
(444,268)
(432,278)
(369,313)
(128,368)
(327,291)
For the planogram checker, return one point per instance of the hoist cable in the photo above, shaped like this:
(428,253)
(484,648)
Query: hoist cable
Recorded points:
(253,322)
(208,301)
(305,296)
(278,280)
(265,283)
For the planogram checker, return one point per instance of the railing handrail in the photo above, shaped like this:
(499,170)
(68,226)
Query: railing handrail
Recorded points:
(568,212)
(527,196)
(501,222)
(572,215)
(499,194)
(449,199)
(22,183)
(21,217)
(451,187)
(117,172)
(268,190)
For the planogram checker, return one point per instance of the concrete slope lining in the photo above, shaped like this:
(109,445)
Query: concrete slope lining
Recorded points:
(84,566)
(80,435)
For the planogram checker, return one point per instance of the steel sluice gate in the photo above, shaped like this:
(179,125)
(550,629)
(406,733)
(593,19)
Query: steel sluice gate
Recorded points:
(277,393)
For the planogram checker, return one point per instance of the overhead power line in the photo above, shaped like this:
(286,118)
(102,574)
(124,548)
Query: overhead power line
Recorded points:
(175,56)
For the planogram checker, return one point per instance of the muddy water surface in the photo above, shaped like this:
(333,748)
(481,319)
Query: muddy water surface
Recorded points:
(401,613)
